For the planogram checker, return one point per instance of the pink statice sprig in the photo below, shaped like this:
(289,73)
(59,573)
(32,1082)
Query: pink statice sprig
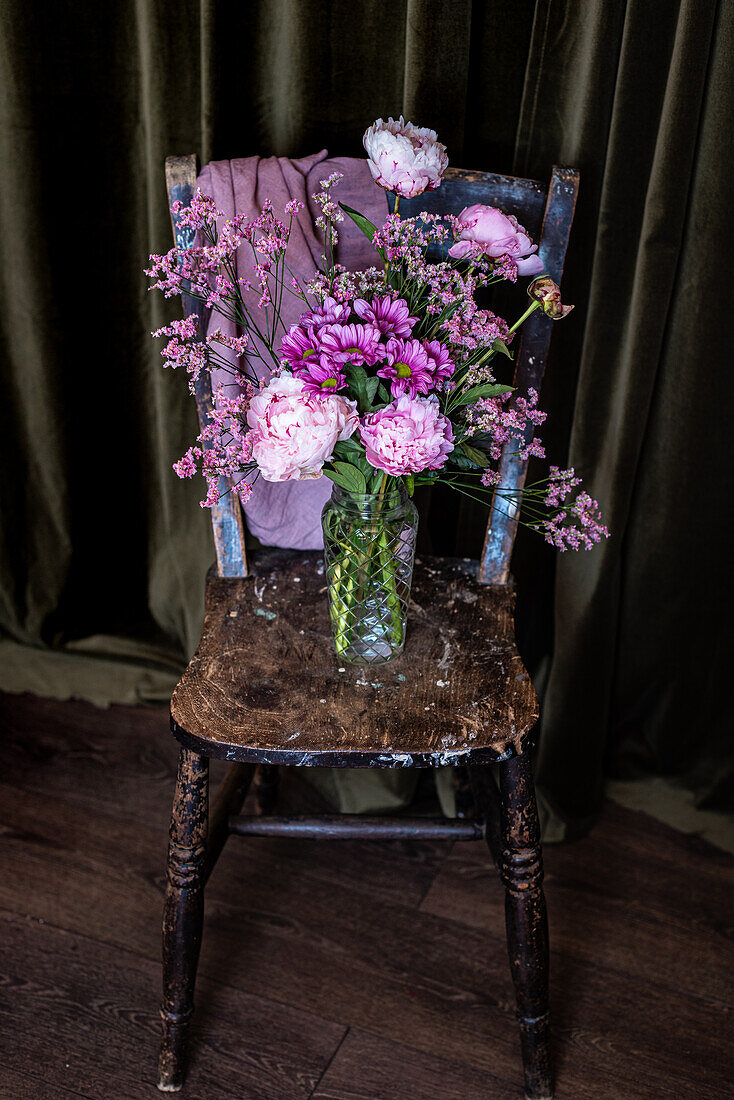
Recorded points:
(205,266)
(566,516)
(186,349)
(223,449)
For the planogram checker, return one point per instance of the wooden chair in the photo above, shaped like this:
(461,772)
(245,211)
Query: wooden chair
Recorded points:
(264,687)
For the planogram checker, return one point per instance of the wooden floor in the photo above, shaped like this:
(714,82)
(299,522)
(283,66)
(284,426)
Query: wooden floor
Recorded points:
(341,971)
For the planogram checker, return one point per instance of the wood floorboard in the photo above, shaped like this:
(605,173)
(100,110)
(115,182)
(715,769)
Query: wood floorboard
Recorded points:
(24,1086)
(360,971)
(99,1003)
(366,1067)
(122,758)
(598,918)
(255,942)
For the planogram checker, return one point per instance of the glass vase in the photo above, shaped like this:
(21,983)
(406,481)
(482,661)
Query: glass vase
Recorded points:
(369,549)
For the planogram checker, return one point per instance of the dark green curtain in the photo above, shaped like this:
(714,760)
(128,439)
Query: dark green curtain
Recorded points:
(103,550)
(640,95)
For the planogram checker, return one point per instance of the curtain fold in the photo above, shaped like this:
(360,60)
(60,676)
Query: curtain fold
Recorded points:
(103,551)
(631,644)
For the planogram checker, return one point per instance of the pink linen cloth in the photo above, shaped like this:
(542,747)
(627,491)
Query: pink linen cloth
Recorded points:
(288,514)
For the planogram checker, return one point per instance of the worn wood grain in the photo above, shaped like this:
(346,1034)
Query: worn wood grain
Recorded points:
(529,371)
(98,1005)
(356,827)
(227,802)
(35,830)
(382,968)
(630,904)
(463,187)
(15,1085)
(521,868)
(77,759)
(265,684)
(366,1067)
(183,912)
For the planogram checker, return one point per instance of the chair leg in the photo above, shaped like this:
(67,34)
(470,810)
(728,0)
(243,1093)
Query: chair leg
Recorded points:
(183,912)
(463,796)
(526,920)
(268,779)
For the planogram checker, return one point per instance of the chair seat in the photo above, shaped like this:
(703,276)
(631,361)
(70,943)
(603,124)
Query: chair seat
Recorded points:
(265,684)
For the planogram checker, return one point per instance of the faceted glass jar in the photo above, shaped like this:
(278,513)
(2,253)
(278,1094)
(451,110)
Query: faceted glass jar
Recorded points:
(369,549)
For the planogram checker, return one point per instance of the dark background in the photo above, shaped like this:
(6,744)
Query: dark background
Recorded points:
(103,550)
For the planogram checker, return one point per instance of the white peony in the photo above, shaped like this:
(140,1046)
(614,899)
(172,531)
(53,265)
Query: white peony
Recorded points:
(404,158)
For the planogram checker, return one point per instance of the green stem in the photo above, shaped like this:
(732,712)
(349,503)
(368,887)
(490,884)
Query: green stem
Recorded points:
(531,309)
(388,570)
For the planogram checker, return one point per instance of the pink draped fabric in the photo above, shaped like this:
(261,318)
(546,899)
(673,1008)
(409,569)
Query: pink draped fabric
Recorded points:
(288,514)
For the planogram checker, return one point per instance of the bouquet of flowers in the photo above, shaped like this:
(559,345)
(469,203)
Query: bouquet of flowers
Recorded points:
(385,383)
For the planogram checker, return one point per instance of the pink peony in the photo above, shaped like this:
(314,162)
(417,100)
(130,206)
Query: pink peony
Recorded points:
(389,315)
(404,158)
(486,229)
(408,436)
(294,432)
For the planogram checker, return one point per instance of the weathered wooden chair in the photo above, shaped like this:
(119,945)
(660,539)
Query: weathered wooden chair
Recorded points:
(264,687)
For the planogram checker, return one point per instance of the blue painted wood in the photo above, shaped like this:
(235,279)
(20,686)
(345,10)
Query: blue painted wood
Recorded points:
(529,370)
(226,516)
(462,187)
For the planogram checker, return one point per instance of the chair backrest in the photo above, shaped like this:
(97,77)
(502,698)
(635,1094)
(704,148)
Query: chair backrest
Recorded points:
(546,212)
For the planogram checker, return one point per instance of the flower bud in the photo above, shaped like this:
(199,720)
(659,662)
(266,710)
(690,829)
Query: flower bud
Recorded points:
(548,293)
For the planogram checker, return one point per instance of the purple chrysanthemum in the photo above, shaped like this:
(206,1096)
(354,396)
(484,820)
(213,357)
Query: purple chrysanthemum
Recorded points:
(407,367)
(330,312)
(299,345)
(442,365)
(322,375)
(389,315)
(350,343)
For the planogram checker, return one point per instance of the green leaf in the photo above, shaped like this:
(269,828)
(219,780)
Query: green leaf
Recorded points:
(371,388)
(362,223)
(502,348)
(486,389)
(357,377)
(347,447)
(336,477)
(383,393)
(353,475)
(348,478)
(409,484)
(359,220)
(353,452)
(458,458)
(479,458)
